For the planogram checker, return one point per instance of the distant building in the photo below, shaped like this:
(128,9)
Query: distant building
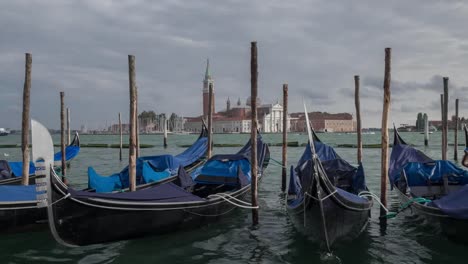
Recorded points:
(114,128)
(271,118)
(84,129)
(323,122)
(237,118)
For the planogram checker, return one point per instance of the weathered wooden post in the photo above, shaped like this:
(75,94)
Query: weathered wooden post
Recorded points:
(62,136)
(445,118)
(455,148)
(133,123)
(137,122)
(120,131)
(385,112)
(253,138)
(68,127)
(210,120)
(442,118)
(285,137)
(165,132)
(25,119)
(358,118)
(426,130)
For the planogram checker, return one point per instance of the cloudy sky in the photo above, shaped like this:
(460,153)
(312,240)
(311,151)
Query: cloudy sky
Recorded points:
(81,47)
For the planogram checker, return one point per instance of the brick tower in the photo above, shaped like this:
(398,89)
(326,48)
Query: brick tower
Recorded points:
(206,96)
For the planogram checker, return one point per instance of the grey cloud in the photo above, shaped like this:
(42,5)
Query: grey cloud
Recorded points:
(314,46)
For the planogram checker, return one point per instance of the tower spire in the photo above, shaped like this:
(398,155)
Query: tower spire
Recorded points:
(207,72)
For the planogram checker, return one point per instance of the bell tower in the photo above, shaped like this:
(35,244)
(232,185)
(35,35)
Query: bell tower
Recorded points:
(206,96)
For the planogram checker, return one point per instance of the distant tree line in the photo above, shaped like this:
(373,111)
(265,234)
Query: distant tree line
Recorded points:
(150,117)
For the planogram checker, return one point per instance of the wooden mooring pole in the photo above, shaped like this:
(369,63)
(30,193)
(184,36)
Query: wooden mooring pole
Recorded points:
(385,113)
(426,130)
(25,119)
(68,127)
(442,118)
(285,137)
(62,136)
(253,134)
(455,139)
(137,122)
(165,133)
(133,123)
(210,119)
(445,123)
(358,119)
(120,131)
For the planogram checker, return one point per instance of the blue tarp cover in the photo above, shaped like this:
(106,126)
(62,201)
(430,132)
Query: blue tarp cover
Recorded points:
(17,193)
(223,169)
(103,184)
(70,153)
(167,192)
(118,181)
(402,155)
(17,166)
(149,175)
(222,166)
(454,204)
(423,174)
(324,152)
(162,166)
(351,196)
(335,168)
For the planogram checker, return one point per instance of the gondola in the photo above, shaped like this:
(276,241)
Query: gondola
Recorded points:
(324,201)
(154,168)
(19,206)
(434,189)
(12,171)
(20,211)
(211,191)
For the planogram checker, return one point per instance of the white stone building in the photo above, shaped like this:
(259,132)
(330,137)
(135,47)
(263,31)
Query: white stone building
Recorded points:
(271,118)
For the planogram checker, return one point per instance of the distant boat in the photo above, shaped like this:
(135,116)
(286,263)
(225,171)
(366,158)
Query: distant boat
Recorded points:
(4,132)
(430,132)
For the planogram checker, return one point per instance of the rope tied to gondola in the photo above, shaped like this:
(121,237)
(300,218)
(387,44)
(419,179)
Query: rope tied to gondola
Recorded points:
(240,203)
(277,163)
(420,200)
(317,199)
(63,198)
(402,207)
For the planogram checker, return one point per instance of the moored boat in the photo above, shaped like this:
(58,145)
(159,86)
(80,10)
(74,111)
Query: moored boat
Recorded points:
(19,209)
(13,172)
(324,197)
(434,189)
(4,132)
(82,218)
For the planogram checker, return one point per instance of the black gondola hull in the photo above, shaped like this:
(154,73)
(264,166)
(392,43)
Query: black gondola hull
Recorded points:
(454,229)
(343,220)
(84,222)
(14,218)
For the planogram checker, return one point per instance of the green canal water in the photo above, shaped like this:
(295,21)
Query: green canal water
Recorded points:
(407,239)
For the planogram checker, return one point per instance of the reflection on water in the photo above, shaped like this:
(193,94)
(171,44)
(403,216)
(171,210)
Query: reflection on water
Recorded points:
(407,239)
